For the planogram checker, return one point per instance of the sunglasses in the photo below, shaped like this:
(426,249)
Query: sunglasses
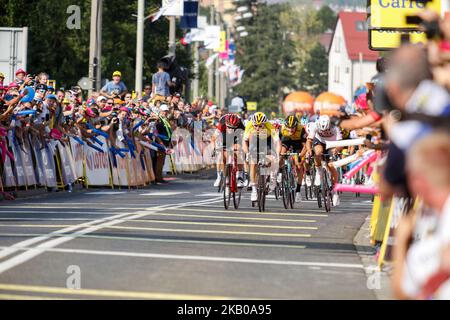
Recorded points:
(110,103)
(42,91)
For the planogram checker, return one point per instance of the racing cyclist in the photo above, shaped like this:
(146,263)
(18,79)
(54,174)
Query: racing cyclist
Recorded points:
(318,135)
(293,136)
(230,127)
(257,130)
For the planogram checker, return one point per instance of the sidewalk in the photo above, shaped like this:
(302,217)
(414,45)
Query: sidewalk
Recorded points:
(378,281)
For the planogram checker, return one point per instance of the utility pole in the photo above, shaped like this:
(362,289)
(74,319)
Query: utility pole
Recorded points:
(217,72)
(211,67)
(95,46)
(99,45)
(172,26)
(140,48)
(195,82)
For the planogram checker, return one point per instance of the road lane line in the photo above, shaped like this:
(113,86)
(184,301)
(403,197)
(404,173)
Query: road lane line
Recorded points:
(164,222)
(301,235)
(91,227)
(207,258)
(255,212)
(228,217)
(239,225)
(115,293)
(22,297)
(183,241)
(108,226)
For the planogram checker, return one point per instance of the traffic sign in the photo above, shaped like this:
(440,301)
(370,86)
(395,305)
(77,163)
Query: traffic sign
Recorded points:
(393,13)
(84,83)
(392,39)
(252,106)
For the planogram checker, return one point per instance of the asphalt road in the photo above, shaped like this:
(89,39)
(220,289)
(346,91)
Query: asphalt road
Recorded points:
(176,241)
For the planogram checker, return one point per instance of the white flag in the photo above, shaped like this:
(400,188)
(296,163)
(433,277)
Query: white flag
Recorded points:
(211,59)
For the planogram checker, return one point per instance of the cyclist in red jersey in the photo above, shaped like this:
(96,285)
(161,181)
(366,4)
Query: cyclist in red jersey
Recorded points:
(231,129)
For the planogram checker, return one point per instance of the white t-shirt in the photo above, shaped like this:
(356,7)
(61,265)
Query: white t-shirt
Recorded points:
(423,258)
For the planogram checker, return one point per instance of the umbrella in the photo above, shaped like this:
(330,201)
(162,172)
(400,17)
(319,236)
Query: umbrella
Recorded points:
(299,101)
(328,103)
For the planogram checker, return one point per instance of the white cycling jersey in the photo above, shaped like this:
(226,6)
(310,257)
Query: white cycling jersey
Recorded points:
(332,134)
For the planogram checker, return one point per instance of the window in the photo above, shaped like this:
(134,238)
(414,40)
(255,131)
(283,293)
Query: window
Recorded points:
(337,47)
(337,76)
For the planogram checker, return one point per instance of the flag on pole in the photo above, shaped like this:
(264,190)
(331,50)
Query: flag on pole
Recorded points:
(190,15)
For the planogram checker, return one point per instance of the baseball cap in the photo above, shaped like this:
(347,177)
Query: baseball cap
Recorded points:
(52,96)
(101,98)
(117,73)
(20,71)
(125,109)
(210,103)
(164,107)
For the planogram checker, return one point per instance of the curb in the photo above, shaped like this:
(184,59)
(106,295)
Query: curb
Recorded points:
(378,281)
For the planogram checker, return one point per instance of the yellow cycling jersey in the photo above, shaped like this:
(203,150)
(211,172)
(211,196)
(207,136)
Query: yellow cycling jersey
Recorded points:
(296,136)
(268,131)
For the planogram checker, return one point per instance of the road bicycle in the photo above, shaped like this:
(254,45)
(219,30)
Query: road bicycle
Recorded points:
(263,181)
(230,188)
(288,180)
(324,191)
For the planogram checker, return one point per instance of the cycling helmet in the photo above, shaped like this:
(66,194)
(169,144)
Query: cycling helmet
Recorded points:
(232,121)
(291,122)
(324,123)
(259,119)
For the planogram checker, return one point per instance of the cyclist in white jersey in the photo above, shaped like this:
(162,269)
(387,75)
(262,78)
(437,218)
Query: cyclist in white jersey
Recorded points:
(318,135)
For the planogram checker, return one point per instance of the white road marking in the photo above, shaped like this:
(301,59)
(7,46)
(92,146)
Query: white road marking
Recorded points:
(161,194)
(199,258)
(104,192)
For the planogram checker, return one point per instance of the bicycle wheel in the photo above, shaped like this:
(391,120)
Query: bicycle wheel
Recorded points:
(292,190)
(326,192)
(261,192)
(226,188)
(319,197)
(285,189)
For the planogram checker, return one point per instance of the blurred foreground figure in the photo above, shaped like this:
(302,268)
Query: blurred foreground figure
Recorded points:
(421,254)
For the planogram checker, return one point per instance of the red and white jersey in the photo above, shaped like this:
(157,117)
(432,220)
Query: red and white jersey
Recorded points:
(332,134)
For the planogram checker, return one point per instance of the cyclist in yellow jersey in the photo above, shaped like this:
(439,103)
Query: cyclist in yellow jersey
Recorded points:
(293,136)
(257,129)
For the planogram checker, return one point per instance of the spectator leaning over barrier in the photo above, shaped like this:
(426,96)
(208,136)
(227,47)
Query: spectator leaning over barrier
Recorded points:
(160,83)
(115,88)
(420,269)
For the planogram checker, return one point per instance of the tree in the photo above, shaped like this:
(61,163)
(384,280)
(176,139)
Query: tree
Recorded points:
(267,55)
(314,73)
(64,53)
(327,18)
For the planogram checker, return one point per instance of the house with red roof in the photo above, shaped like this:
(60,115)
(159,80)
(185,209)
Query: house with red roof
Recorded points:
(351,63)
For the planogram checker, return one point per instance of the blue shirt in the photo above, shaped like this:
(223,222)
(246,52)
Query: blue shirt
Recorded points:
(117,89)
(161,82)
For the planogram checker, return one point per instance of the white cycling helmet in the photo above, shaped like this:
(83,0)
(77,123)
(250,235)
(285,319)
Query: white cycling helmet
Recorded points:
(324,123)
